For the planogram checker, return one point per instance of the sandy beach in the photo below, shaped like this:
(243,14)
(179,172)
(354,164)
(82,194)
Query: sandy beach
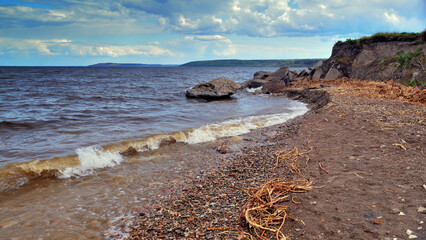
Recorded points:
(362,154)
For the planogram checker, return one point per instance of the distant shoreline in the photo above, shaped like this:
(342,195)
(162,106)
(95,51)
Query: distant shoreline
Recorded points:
(223,63)
(208,63)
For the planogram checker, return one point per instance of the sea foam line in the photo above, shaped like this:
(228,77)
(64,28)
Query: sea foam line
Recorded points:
(88,159)
(91,158)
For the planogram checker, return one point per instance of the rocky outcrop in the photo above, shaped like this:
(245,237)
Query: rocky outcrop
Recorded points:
(277,81)
(380,57)
(215,89)
(271,82)
(259,78)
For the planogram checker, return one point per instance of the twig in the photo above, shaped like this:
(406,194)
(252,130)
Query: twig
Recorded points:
(264,210)
(320,165)
(358,175)
(400,145)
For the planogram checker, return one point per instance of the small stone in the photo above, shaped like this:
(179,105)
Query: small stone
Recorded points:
(224,148)
(408,232)
(395,210)
(421,210)
(421,222)
(424,186)
(401,214)
(412,237)
(131,151)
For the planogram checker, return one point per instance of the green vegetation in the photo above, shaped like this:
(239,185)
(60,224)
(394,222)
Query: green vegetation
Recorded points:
(410,58)
(343,60)
(386,37)
(253,63)
(415,83)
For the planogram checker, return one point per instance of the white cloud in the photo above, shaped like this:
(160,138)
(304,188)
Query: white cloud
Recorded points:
(217,38)
(391,17)
(59,47)
(230,51)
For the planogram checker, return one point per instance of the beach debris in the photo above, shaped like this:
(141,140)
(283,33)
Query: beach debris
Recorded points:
(292,157)
(320,164)
(265,210)
(401,214)
(224,147)
(356,174)
(410,234)
(421,210)
(400,145)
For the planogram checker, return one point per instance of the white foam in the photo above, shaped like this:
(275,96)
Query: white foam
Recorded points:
(91,158)
(238,126)
(254,90)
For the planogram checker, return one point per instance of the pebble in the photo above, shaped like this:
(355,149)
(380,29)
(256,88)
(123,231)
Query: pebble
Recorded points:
(408,232)
(401,214)
(421,210)
(412,237)
(424,186)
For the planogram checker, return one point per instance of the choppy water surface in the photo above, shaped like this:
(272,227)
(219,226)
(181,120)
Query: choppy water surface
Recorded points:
(61,130)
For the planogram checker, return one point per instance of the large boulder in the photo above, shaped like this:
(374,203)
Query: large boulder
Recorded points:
(271,82)
(317,74)
(215,89)
(333,74)
(259,78)
(274,86)
(261,75)
(280,74)
(278,81)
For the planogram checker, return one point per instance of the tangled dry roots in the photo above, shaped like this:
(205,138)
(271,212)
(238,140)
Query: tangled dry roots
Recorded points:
(265,210)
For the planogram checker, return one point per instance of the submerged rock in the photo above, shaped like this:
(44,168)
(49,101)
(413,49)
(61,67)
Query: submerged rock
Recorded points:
(215,89)
(131,151)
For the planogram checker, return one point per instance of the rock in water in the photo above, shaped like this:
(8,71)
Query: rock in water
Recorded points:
(278,80)
(215,89)
(131,151)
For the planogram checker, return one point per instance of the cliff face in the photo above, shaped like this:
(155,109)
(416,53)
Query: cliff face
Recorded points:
(402,59)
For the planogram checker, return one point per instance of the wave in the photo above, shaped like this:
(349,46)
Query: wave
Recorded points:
(254,90)
(88,159)
(15,125)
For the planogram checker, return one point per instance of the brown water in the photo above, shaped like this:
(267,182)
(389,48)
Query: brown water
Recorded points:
(83,187)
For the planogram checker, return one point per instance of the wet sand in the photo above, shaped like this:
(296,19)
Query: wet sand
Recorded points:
(365,156)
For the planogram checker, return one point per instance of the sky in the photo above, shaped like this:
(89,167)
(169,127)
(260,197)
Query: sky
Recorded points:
(84,32)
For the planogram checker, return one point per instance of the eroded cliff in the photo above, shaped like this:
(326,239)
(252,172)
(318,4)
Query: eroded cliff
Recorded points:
(383,56)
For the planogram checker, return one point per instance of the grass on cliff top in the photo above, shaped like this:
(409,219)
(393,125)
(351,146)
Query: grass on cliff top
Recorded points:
(386,37)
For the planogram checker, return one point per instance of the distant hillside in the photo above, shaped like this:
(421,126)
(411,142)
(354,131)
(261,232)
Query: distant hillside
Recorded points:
(129,65)
(254,63)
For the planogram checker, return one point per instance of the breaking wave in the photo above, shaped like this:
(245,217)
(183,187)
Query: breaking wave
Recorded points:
(88,159)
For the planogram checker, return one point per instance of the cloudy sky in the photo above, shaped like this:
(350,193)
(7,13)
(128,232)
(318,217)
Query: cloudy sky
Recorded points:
(82,32)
